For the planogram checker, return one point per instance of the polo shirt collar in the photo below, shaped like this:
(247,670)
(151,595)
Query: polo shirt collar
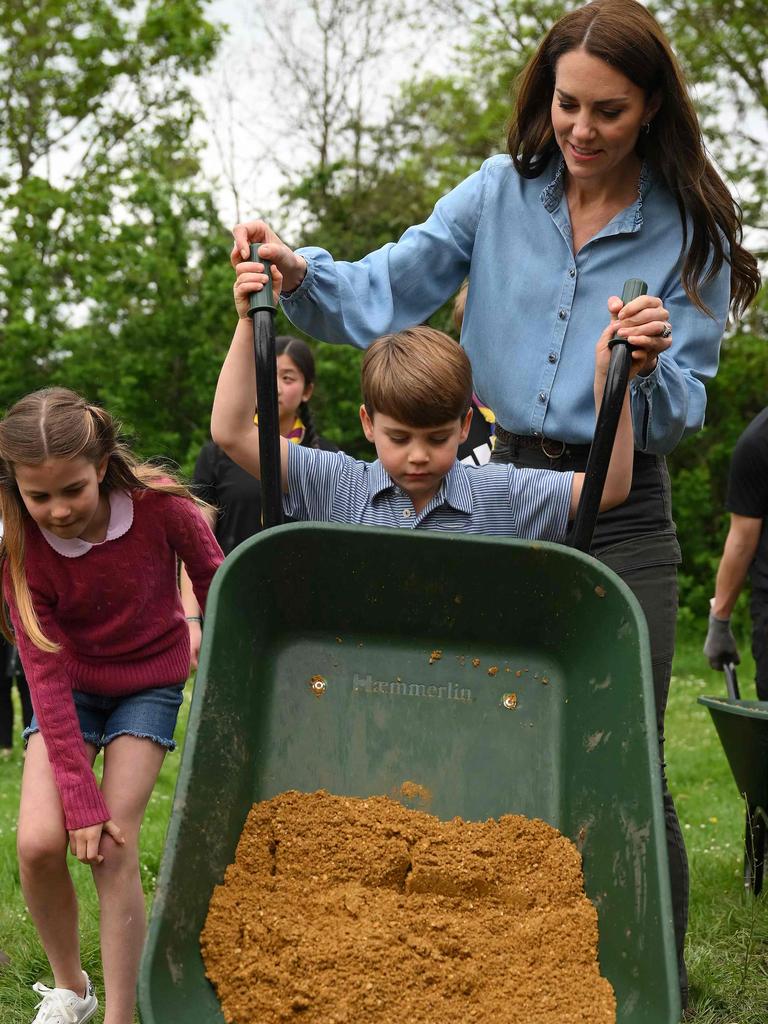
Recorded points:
(454,490)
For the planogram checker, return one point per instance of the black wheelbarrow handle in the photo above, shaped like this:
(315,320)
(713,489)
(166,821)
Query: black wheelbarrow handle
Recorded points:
(261,309)
(605,430)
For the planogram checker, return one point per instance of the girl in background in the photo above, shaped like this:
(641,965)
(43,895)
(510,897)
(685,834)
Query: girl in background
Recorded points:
(89,570)
(233,495)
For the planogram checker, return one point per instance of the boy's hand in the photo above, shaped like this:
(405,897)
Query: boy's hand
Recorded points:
(84,842)
(603,355)
(642,322)
(251,278)
(292,267)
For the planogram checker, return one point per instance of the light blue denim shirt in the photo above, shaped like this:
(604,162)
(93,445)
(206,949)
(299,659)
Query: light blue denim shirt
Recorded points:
(534,310)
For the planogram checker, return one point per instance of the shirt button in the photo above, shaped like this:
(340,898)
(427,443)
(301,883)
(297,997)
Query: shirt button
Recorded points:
(563,314)
(552,357)
(542,396)
(572,272)
(407,513)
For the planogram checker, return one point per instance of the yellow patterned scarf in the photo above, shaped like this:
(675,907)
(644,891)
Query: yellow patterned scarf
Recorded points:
(296,434)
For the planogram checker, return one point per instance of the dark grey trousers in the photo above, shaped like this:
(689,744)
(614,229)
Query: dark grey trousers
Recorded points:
(637,541)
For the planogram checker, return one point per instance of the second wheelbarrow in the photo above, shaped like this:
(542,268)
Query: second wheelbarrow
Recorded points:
(742,726)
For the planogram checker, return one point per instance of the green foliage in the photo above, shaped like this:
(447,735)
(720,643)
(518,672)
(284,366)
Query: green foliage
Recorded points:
(699,472)
(723,45)
(113,262)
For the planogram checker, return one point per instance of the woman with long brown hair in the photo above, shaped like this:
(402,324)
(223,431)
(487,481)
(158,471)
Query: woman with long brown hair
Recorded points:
(606,178)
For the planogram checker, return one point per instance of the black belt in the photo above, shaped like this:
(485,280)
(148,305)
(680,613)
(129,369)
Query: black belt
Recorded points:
(552,449)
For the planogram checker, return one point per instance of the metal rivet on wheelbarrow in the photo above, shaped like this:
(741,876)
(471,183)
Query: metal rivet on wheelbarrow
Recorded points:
(318,685)
(509,700)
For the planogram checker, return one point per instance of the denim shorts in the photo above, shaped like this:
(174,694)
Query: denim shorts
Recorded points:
(148,714)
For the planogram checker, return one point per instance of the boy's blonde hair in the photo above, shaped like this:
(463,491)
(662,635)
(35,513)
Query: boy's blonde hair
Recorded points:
(56,423)
(418,376)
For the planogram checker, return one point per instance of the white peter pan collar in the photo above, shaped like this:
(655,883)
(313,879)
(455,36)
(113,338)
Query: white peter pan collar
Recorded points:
(120,522)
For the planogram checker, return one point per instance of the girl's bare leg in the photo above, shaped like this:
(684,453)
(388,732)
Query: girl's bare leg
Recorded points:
(45,880)
(131,767)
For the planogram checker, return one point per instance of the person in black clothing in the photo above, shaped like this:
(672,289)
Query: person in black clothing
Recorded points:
(10,670)
(478,447)
(236,495)
(745,551)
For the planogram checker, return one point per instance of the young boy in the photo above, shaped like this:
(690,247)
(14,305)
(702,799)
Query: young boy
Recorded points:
(417,393)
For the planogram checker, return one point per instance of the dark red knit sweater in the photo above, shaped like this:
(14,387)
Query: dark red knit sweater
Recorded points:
(117,614)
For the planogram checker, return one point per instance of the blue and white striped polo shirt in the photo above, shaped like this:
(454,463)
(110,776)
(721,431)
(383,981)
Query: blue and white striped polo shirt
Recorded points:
(496,499)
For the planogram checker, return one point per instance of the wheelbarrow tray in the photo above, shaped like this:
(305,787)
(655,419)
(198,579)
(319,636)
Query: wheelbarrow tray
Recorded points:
(742,726)
(419,638)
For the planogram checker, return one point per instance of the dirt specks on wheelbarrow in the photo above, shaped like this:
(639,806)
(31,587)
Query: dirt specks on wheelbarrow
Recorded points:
(376,913)
(415,793)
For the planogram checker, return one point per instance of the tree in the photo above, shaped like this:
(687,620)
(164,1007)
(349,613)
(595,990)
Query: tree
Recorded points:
(112,258)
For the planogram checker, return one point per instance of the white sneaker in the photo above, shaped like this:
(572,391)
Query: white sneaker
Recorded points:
(63,1006)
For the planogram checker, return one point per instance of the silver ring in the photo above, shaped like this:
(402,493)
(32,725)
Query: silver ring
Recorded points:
(666,332)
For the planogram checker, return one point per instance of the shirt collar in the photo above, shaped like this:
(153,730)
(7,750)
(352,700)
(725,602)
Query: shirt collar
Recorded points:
(120,522)
(552,195)
(454,490)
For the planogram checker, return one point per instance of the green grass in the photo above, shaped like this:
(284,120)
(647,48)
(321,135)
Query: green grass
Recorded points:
(728,930)
(728,934)
(18,938)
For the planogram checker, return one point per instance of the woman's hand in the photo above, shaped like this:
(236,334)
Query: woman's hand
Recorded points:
(251,278)
(643,322)
(84,842)
(292,267)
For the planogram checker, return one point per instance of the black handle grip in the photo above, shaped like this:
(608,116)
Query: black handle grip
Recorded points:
(605,430)
(262,313)
(264,299)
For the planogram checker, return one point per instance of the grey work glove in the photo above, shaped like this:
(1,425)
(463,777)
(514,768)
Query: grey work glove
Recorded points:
(720,645)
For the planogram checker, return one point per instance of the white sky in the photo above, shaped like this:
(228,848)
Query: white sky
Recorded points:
(248,137)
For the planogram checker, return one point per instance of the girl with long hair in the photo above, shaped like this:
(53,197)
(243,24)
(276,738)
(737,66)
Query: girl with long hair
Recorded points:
(89,569)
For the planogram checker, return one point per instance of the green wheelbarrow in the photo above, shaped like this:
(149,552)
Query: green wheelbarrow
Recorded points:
(742,726)
(505,677)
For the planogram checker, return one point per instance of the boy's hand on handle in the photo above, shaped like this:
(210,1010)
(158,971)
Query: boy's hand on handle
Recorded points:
(603,356)
(643,322)
(251,278)
(292,267)
(84,842)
